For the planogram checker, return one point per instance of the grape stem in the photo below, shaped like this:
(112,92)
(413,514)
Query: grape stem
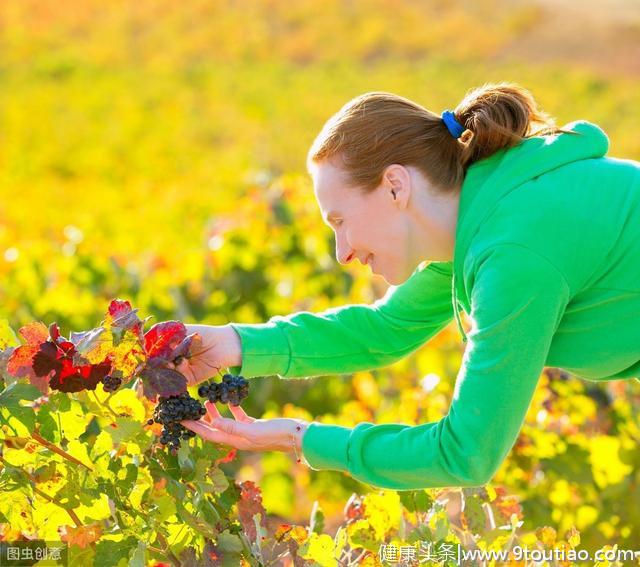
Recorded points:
(167,550)
(71,513)
(44,495)
(37,437)
(105,403)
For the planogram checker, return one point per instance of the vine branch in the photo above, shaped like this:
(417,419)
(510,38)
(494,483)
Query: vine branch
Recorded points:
(54,448)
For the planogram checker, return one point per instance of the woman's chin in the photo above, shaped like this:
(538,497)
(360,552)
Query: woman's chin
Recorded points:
(397,277)
(392,279)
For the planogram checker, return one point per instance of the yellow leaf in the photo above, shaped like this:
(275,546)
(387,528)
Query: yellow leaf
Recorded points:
(125,402)
(319,548)
(605,461)
(573,537)
(383,511)
(7,335)
(79,450)
(547,535)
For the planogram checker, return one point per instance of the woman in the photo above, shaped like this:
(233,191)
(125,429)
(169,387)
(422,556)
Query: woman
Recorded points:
(491,209)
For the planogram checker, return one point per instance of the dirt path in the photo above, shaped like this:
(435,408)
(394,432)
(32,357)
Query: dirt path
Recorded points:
(603,35)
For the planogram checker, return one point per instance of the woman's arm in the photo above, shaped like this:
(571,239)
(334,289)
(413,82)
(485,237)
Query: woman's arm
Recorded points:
(518,299)
(353,337)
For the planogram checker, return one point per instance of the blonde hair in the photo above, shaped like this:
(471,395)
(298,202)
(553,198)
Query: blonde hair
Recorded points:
(377,129)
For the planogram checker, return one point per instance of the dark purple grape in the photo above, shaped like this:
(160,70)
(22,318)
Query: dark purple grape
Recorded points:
(170,411)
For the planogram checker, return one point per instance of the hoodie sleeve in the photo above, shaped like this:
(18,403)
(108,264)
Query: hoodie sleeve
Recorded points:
(517,301)
(353,337)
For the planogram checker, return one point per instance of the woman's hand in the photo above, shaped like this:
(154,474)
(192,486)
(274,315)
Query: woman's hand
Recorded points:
(219,347)
(248,433)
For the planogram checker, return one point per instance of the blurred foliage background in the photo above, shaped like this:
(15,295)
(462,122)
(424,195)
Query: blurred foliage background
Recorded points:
(154,151)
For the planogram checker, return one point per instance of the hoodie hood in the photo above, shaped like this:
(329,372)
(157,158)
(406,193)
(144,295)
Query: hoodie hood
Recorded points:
(489,180)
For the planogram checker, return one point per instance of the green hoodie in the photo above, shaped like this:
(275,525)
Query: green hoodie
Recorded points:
(547,267)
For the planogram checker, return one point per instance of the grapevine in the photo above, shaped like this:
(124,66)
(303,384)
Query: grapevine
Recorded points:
(117,354)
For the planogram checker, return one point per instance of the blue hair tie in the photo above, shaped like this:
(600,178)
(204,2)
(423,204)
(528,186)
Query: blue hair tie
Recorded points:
(454,127)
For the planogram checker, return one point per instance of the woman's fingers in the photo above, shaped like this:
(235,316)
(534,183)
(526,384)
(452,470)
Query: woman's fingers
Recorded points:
(212,412)
(211,434)
(240,414)
(224,424)
(232,426)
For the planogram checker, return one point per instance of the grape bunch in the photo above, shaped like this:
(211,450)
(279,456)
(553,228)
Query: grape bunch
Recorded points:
(170,411)
(233,389)
(111,383)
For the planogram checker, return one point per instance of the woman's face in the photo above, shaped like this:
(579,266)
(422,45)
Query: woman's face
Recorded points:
(402,223)
(369,228)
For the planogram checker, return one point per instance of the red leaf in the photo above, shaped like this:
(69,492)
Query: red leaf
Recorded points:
(118,308)
(250,504)
(76,378)
(82,536)
(57,361)
(228,457)
(354,509)
(46,360)
(85,343)
(163,338)
(54,332)
(163,382)
(120,315)
(35,333)
(20,362)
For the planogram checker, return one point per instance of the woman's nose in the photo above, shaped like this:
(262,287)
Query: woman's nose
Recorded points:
(344,253)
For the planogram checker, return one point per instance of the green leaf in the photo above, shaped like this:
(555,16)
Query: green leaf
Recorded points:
(45,472)
(475,514)
(109,553)
(60,401)
(177,490)
(164,466)
(127,430)
(416,500)
(14,393)
(219,481)
(125,485)
(10,402)
(79,556)
(48,425)
(165,508)
(316,522)
(208,511)
(197,523)
(137,559)
(229,542)
(420,533)
(441,529)
(8,337)
(69,494)
(362,534)
(229,497)
(12,478)
(187,467)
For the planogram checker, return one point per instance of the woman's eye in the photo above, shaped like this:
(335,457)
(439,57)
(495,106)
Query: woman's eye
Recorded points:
(337,222)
